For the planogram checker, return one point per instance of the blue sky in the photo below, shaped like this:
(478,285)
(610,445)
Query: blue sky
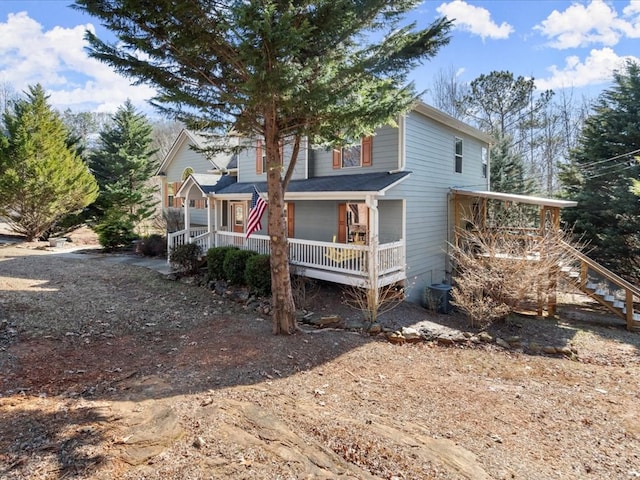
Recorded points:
(562,44)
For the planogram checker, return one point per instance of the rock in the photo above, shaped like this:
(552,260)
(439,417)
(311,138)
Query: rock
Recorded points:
(535,347)
(467,334)
(515,339)
(329,320)
(485,337)
(549,349)
(411,334)
(199,442)
(396,337)
(502,343)
(445,341)
(565,351)
(374,329)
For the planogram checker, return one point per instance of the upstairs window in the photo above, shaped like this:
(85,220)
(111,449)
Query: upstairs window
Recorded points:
(458,155)
(261,156)
(359,155)
(484,163)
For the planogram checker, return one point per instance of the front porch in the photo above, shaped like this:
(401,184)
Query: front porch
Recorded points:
(344,263)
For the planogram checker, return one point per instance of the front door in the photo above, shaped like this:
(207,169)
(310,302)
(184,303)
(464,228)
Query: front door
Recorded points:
(237,214)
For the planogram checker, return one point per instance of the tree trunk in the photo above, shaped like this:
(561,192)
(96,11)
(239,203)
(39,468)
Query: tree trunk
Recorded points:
(283,311)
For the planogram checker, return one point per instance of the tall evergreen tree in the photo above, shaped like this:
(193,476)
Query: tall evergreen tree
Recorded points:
(508,170)
(123,163)
(601,173)
(329,70)
(41,177)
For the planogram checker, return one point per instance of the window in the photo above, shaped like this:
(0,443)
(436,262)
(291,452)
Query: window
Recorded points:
(170,195)
(484,162)
(359,155)
(186,172)
(261,156)
(458,155)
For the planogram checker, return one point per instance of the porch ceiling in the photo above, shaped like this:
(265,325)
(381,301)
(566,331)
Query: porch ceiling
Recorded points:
(511,197)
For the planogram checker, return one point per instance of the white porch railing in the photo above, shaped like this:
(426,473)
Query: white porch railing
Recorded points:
(348,259)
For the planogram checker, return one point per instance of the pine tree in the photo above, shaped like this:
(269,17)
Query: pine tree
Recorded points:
(123,163)
(41,177)
(508,170)
(601,173)
(328,70)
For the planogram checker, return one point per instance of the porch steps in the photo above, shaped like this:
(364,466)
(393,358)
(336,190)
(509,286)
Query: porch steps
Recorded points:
(604,286)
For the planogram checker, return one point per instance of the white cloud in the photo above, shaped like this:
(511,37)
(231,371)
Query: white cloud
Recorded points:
(596,69)
(598,23)
(476,20)
(57,60)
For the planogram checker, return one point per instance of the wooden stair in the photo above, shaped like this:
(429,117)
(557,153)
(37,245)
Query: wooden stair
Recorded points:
(613,292)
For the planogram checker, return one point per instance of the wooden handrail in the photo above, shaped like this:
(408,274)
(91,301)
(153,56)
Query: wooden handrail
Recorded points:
(606,273)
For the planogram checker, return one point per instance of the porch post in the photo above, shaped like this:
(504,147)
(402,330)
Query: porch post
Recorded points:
(210,220)
(374,241)
(187,222)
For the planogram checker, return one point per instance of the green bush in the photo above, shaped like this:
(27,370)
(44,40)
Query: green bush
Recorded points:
(115,231)
(257,274)
(215,261)
(153,246)
(186,258)
(235,262)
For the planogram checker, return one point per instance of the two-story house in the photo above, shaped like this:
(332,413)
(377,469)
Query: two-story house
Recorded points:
(372,214)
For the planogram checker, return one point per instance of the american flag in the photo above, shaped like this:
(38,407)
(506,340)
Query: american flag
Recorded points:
(258,206)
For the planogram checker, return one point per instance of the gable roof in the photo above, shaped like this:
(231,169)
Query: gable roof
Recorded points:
(199,141)
(207,183)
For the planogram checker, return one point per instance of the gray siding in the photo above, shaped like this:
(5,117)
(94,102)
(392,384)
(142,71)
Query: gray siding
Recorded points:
(316,220)
(184,158)
(430,148)
(389,220)
(247,163)
(384,156)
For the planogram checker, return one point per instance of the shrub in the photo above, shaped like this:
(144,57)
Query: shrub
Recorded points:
(153,246)
(235,262)
(257,274)
(186,258)
(115,231)
(215,261)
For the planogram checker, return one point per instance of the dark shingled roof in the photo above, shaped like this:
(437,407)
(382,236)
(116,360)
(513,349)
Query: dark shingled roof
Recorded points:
(362,182)
(224,182)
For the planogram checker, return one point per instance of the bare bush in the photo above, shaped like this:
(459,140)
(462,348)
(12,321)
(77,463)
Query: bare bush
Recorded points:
(500,270)
(372,304)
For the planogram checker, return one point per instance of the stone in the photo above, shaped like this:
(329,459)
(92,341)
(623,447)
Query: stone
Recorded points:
(535,347)
(485,337)
(502,343)
(515,339)
(329,320)
(549,349)
(445,341)
(374,328)
(396,337)
(411,334)
(565,351)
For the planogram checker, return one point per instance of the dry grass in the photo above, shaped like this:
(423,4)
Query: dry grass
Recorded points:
(87,344)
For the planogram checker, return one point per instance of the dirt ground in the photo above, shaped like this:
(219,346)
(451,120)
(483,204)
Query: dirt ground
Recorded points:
(114,371)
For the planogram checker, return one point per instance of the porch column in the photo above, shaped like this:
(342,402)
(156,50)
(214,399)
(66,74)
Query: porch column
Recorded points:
(374,241)
(187,220)
(210,220)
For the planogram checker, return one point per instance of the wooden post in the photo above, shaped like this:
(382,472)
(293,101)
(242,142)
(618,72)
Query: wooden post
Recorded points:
(629,307)
(553,273)
(374,240)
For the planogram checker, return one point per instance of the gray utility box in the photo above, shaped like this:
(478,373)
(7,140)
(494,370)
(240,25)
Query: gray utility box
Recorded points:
(438,297)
